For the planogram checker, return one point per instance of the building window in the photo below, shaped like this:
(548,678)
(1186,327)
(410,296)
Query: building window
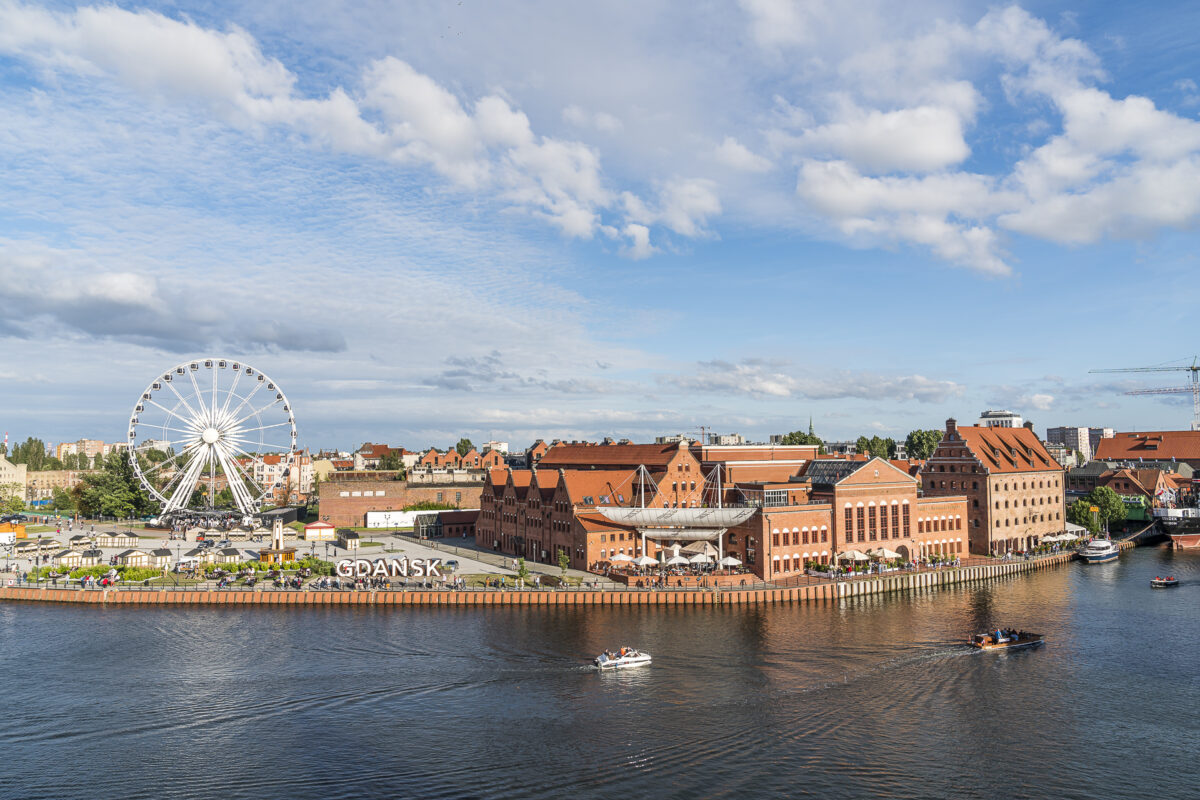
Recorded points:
(439,497)
(862,523)
(775,540)
(883,522)
(849,525)
(873,532)
(906,521)
(775,497)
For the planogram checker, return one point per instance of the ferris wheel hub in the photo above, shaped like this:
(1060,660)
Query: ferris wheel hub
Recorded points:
(210,435)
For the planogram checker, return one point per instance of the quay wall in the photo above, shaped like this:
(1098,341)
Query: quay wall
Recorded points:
(881,584)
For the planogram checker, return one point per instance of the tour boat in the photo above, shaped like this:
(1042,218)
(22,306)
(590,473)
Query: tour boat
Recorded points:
(1100,550)
(1164,583)
(623,658)
(1006,640)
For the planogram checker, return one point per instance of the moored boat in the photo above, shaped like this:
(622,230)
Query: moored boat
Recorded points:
(1184,533)
(1164,583)
(622,659)
(1100,550)
(1004,639)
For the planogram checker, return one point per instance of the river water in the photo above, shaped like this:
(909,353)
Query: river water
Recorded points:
(873,697)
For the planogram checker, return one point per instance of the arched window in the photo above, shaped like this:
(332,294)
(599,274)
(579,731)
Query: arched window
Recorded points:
(906,528)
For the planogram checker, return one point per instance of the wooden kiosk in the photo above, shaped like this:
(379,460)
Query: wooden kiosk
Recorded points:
(277,553)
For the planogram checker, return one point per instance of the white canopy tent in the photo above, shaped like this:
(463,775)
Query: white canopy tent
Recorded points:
(730,561)
(700,558)
(645,561)
(676,561)
(853,555)
(620,557)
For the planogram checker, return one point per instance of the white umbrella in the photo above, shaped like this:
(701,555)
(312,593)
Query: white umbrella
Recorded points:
(1052,539)
(854,555)
(645,561)
(676,560)
(699,558)
(1068,537)
(620,557)
(730,561)
(883,552)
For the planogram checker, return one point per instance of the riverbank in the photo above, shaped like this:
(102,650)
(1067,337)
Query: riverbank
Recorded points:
(830,590)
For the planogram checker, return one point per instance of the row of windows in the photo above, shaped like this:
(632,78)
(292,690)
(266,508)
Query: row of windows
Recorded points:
(943,524)
(872,521)
(1025,501)
(1027,520)
(363,494)
(798,537)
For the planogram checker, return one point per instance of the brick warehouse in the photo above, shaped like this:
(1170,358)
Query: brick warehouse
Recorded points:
(347,496)
(1014,488)
(540,514)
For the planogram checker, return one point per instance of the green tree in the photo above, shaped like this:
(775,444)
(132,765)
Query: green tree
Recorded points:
(1112,507)
(392,461)
(11,501)
(920,444)
(61,501)
(53,463)
(522,571)
(800,437)
(1080,513)
(31,453)
(464,446)
(155,456)
(114,491)
(564,562)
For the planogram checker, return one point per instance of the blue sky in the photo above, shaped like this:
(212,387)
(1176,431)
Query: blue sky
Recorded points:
(516,220)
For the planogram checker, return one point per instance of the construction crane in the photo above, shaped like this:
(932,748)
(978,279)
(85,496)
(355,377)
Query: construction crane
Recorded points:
(1193,386)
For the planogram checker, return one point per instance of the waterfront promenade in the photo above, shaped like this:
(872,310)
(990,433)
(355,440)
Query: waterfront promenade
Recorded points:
(605,596)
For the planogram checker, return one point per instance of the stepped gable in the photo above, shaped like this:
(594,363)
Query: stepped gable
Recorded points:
(1007,449)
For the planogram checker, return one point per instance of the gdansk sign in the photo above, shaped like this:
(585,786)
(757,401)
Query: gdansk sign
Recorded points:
(390,568)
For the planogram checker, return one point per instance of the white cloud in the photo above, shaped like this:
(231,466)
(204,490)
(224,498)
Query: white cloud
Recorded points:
(599,120)
(486,146)
(639,242)
(683,205)
(756,377)
(916,139)
(735,155)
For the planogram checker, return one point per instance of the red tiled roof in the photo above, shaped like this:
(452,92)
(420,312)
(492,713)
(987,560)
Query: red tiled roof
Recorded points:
(1007,449)
(617,485)
(608,455)
(1158,445)
(598,524)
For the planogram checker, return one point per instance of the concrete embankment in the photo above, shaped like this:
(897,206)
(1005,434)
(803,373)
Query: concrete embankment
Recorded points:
(819,591)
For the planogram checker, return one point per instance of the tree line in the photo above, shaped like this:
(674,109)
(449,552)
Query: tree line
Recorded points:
(919,444)
(32,453)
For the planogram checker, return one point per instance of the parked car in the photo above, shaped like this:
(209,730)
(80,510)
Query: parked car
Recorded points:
(450,566)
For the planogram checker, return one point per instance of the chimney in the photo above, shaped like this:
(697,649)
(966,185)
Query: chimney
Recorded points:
(1029,424)
(951,425)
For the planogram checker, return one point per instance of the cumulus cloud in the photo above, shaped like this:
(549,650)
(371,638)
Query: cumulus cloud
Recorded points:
(398,113)
(879,158)
(487,372)
(143,309)
(736,155)
(761,378)
(599,120)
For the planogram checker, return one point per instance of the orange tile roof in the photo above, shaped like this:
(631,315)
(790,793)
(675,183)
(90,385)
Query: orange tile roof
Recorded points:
(598,524)
(608,455)
(617,485)
(1007,449)
(1159,445)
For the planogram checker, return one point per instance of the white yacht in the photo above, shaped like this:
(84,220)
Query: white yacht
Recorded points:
(622,659)
(1100,550)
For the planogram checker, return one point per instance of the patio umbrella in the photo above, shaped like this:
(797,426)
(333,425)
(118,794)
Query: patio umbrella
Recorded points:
(854,555)
(674,561)
(883,552)
(700,558)
(645,561)
(1052,539)
(620,557)
(1068,537)
(730,561)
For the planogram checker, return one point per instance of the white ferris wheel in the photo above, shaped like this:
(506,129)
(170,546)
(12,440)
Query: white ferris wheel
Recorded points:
(211,424)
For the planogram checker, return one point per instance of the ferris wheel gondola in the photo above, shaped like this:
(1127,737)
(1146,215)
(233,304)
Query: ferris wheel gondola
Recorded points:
(210,424)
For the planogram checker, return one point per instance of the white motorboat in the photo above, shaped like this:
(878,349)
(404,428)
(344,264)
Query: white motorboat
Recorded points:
(622,659)
(1100,550)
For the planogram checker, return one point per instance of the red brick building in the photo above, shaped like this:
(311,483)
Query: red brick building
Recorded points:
(538,514)
(839,505)
(347,496)
(1014,487)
